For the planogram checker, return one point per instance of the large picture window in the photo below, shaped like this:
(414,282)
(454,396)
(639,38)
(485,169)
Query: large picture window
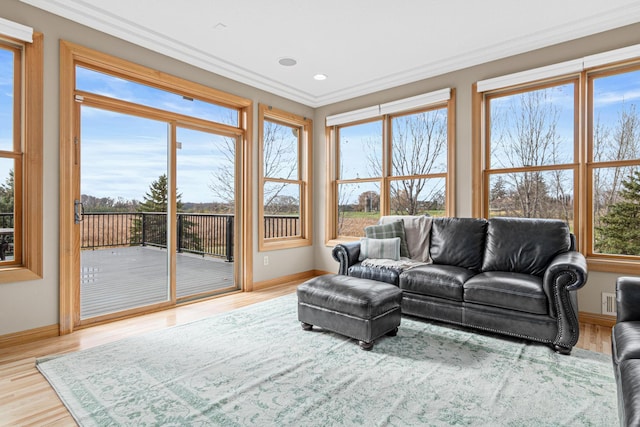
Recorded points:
(568,148)
(21,65)
(530,152)
(614,163)
(285,190)
(391,164)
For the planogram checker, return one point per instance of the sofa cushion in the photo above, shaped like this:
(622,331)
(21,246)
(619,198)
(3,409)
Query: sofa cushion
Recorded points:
(629,392)
(524,245)
(443,281)
(417,229)
(387,231)
(380,248)
(626,341)
(514,291)
(458,241)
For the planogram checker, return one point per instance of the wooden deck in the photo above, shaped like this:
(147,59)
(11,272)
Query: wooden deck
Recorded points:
(117,279)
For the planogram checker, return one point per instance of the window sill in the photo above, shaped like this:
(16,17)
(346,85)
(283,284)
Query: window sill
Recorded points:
(333,242)
(277,244)
(17,274)
(612,265)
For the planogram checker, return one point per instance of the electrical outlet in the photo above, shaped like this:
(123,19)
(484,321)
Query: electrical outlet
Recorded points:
(266,260)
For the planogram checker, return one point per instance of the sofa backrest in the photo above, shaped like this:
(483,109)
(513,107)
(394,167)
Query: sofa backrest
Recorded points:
(524,245)
(458,241)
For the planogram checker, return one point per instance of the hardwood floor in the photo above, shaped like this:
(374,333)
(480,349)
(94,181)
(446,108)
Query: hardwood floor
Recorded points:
(26,399)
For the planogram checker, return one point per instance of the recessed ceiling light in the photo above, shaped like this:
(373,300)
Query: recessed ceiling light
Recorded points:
(320,76)
(287,62)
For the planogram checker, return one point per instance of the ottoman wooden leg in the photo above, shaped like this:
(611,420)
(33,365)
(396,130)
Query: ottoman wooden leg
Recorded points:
(393,332)
(306,326)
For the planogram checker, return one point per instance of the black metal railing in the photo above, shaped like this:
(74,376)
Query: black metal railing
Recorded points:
(204,234)
(6,220)
(281,226)
(103,230)
(6,235)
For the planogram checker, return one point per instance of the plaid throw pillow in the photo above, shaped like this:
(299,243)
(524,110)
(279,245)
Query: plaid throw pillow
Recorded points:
(380,248)
(387,231)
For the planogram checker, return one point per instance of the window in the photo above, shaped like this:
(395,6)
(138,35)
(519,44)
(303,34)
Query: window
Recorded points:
(21,65)
(391,164)
(530,152)
(614,164)
(359,176)
(567,148)
(285,190)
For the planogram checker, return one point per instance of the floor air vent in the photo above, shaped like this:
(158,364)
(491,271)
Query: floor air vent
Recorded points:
(609,303)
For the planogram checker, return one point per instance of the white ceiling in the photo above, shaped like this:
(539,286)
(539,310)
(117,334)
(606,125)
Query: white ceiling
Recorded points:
(361,45)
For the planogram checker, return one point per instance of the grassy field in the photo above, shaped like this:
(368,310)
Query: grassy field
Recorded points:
(353,223)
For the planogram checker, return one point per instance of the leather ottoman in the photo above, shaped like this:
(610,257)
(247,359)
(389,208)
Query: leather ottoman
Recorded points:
(362,309)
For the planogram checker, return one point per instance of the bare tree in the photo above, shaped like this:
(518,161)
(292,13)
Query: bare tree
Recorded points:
(526,135)
(369,201)
(280,158)
(419,148)
(280,151)
(223,178)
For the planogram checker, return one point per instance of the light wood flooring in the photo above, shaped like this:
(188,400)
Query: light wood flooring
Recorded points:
(26,399)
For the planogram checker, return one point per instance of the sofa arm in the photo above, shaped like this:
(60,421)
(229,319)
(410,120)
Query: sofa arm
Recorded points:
(347,255)
(568,270)
(566,274)
(628,299)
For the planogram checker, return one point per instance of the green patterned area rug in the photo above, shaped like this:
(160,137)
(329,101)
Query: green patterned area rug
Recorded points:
(256,366)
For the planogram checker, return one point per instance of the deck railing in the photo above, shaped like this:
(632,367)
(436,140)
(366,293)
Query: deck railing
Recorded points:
(6,220)
(281,226)
(205,234)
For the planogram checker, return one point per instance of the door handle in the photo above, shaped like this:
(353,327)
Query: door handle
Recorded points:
(78,211)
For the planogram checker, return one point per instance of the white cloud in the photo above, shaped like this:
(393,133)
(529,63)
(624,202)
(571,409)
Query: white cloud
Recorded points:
(610,98)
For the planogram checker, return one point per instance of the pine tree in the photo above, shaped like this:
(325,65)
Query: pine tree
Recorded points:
(7,200)
(620,229)
(152,229)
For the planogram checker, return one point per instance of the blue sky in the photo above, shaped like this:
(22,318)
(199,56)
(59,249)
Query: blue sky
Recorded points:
(122,155)
(6,99)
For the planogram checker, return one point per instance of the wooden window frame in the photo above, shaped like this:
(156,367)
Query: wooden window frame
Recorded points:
(583,165)
(333,161)
(488,171)
(611,263)
(268,113)
(28,172)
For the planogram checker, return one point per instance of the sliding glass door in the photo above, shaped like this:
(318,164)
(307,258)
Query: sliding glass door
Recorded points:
(206,212)
(133,234)
(122,212)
